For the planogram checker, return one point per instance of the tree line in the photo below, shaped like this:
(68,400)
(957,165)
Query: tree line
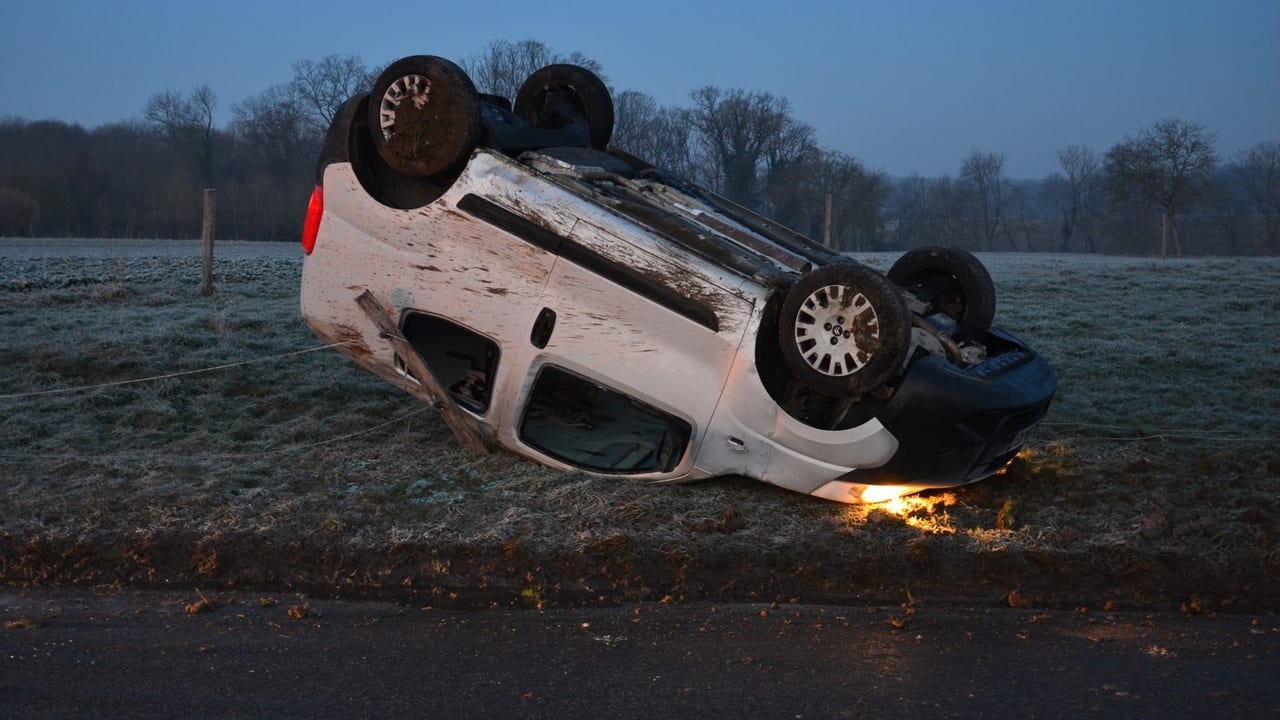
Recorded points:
(1162,189)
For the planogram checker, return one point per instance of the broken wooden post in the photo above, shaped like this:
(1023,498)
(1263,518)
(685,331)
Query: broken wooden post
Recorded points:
(465,428)
(206,238)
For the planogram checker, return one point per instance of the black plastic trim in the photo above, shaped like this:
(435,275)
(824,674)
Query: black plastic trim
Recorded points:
(504,219)
(956,426)
(589,259)
(543,326)
(781,234)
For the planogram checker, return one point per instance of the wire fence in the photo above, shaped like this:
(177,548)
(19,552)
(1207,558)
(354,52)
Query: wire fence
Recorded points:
(278,449)
(1123,433)
(257,453)
(167,376)
(1142,434)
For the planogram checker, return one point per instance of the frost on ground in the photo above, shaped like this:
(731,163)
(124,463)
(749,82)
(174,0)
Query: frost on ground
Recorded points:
(1154,481)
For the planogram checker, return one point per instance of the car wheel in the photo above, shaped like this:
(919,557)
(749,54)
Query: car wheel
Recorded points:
(424,116)
(586,94)
(844,330)
(949,280)
(380,180)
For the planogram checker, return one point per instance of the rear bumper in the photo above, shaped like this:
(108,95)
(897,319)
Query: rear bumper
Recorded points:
(957,426)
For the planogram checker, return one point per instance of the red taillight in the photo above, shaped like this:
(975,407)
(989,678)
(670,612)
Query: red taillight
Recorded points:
(311,228)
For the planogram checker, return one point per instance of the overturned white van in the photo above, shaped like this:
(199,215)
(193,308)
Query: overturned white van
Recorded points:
(585,309)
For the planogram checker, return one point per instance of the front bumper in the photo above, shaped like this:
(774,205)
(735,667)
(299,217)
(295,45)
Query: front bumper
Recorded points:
(957,426)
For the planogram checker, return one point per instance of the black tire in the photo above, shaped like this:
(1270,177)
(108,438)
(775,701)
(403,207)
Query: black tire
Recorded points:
(424,116)
(536,102)
(384,184)
(844,330)
(337,145)
(949,280)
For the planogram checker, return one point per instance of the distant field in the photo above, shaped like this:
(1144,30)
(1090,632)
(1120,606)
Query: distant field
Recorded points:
(1154,482)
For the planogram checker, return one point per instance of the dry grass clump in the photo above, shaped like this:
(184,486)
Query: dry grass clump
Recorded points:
(1154,478)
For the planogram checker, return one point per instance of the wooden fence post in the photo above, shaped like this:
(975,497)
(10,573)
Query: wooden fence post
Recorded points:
(206,237)
(826,224)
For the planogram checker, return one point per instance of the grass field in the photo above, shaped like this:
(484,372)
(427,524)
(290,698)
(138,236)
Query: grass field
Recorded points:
(1155,481)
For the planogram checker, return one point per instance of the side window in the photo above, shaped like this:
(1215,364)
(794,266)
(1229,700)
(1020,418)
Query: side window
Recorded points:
(579,422)
(463,361)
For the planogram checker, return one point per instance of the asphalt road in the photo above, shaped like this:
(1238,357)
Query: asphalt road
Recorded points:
(135,654)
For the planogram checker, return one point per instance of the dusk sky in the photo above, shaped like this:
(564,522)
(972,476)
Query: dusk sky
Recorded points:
(907,87)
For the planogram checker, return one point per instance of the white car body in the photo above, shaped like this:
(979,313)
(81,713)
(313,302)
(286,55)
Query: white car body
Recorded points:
(494,283)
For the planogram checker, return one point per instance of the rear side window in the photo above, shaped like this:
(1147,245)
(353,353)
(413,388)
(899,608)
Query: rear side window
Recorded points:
(579,422)
(463,361)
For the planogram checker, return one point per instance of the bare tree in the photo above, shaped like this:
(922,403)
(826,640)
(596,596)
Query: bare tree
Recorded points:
(277,129)
(582,61)
(277,142)
(797,190)
(1019,201)
(742,130)
(983,174)
(793,148)
(503,66)
(187,121)
(948,207)
(1226,210)
(659,135)
(634,114)
(322,86)
(909,210)
(1257,172)
(859,197)
(1169,164)
(1075,192)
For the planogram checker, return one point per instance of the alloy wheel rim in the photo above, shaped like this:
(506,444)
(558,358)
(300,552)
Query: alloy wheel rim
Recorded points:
(837,330)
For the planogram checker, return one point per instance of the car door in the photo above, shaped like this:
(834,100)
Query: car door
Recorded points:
(657,333)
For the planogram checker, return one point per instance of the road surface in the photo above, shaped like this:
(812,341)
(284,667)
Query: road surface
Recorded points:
(138,654)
